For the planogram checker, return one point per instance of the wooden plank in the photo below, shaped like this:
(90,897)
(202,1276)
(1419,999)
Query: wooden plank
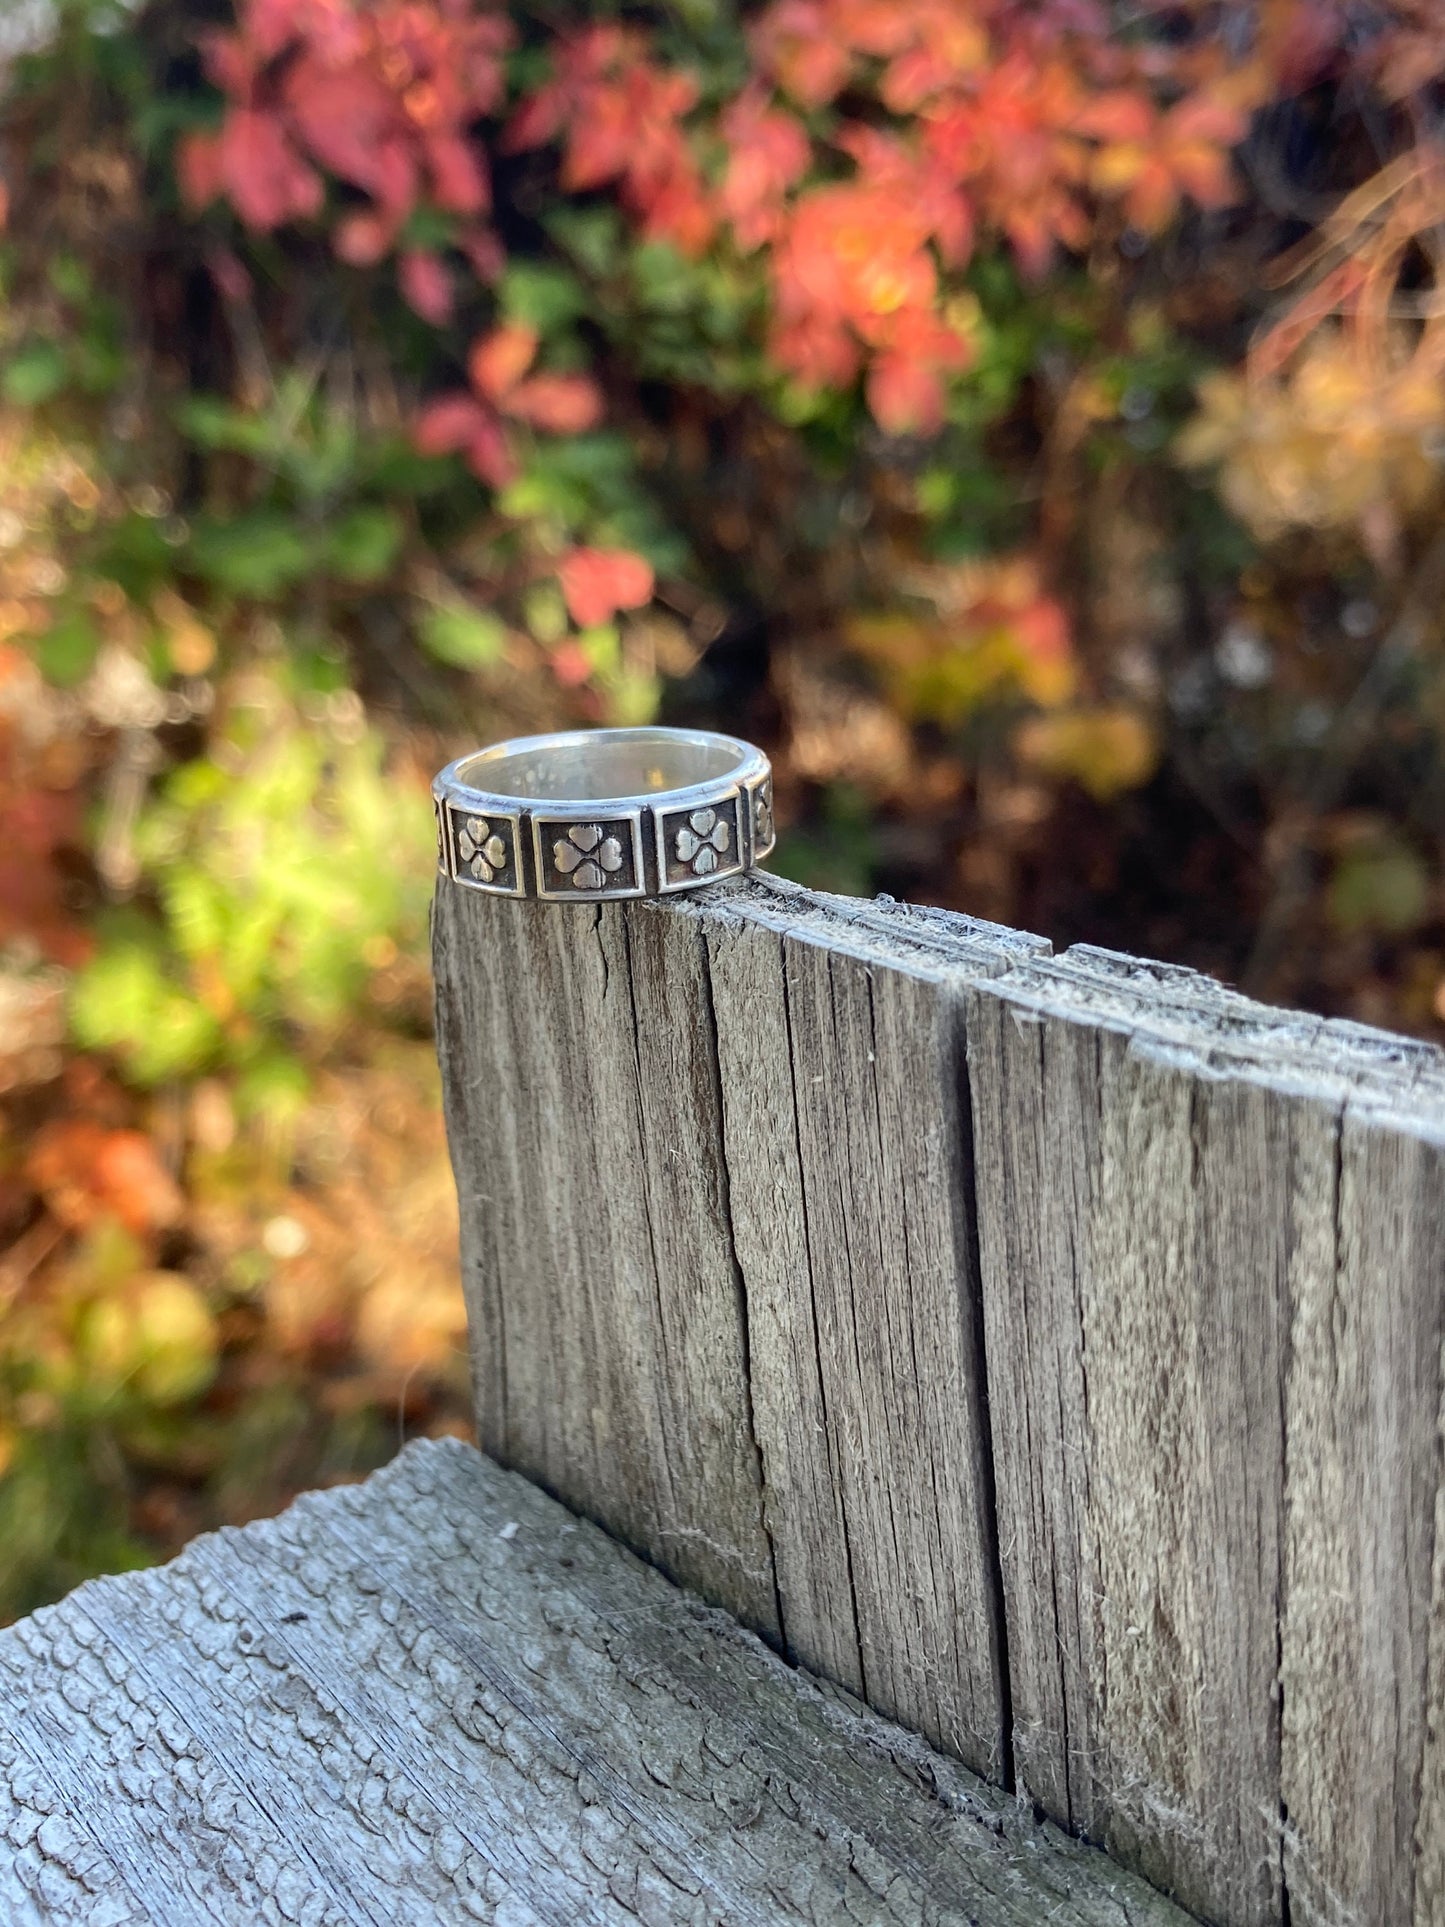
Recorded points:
(1363,1493)
(777,1307)
(1132,1313)
(1215,1387)
(1082,1322)
(607,1330)
(439,1698)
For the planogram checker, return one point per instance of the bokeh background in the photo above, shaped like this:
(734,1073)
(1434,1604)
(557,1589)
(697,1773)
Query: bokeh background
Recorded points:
(1025,420)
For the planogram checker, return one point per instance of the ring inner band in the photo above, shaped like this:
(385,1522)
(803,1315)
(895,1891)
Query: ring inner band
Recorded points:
(597,771)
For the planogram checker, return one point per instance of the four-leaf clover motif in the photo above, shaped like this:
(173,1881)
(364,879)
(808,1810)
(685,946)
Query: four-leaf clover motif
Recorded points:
(587,856)
(702,839)
(481,849)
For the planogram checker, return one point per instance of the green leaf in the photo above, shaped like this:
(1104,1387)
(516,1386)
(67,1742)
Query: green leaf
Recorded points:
(67,651)
(255,555)
(214,423)
(363,545)
(1384,886)
(665,281)
(542,296)
(33,374)
(429,227)
(134,552)
(123,1002)
(464,637)
(69,277)
(592,236)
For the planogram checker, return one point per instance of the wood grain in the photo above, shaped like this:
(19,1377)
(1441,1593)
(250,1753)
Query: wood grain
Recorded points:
(720,1264)
(1213,1251)
(439,1698)
(1047,1349)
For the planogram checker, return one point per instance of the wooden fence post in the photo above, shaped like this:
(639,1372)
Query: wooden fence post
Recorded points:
(1049,1350)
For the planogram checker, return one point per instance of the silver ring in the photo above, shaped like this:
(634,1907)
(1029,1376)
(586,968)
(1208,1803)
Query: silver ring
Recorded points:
(596,813)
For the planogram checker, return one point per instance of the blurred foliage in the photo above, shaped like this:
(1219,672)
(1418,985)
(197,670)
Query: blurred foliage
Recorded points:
(1026,419)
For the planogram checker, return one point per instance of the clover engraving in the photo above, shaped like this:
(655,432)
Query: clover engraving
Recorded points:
(482,850)
(763,814)
(587,856)
(702,840)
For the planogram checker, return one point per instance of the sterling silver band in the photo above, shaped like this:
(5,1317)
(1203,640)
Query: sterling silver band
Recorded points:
(591,814)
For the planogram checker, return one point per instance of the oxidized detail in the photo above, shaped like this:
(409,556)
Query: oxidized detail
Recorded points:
(481,849)
(763,828)
(702,840)
(587,856)
(594,857)
(696,844)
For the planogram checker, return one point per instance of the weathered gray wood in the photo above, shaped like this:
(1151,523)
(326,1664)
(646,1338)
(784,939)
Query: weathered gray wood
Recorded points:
(440,1698)
(1047,1349)
(697,1151)
(1214,1237)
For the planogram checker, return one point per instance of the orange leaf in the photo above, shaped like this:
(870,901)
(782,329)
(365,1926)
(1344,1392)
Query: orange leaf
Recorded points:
(1118,118)
(559,404)
(499,360)
(85,1171)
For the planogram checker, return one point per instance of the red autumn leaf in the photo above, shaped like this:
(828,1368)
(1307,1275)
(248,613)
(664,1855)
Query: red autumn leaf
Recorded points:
(461,425)
(536,121)
(344,117)
(426,285)
(395,181)
(570,665)
(85,1171)
(557,404)
(132,1181)
(488,454)
(768,153)
(596,583)
(485,252)
(271,25)
(459,179)
(621,114)
(905,396)
(499,360)
(446,426)
(1120,116)
(795,42)
(264,177)
(233,63)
